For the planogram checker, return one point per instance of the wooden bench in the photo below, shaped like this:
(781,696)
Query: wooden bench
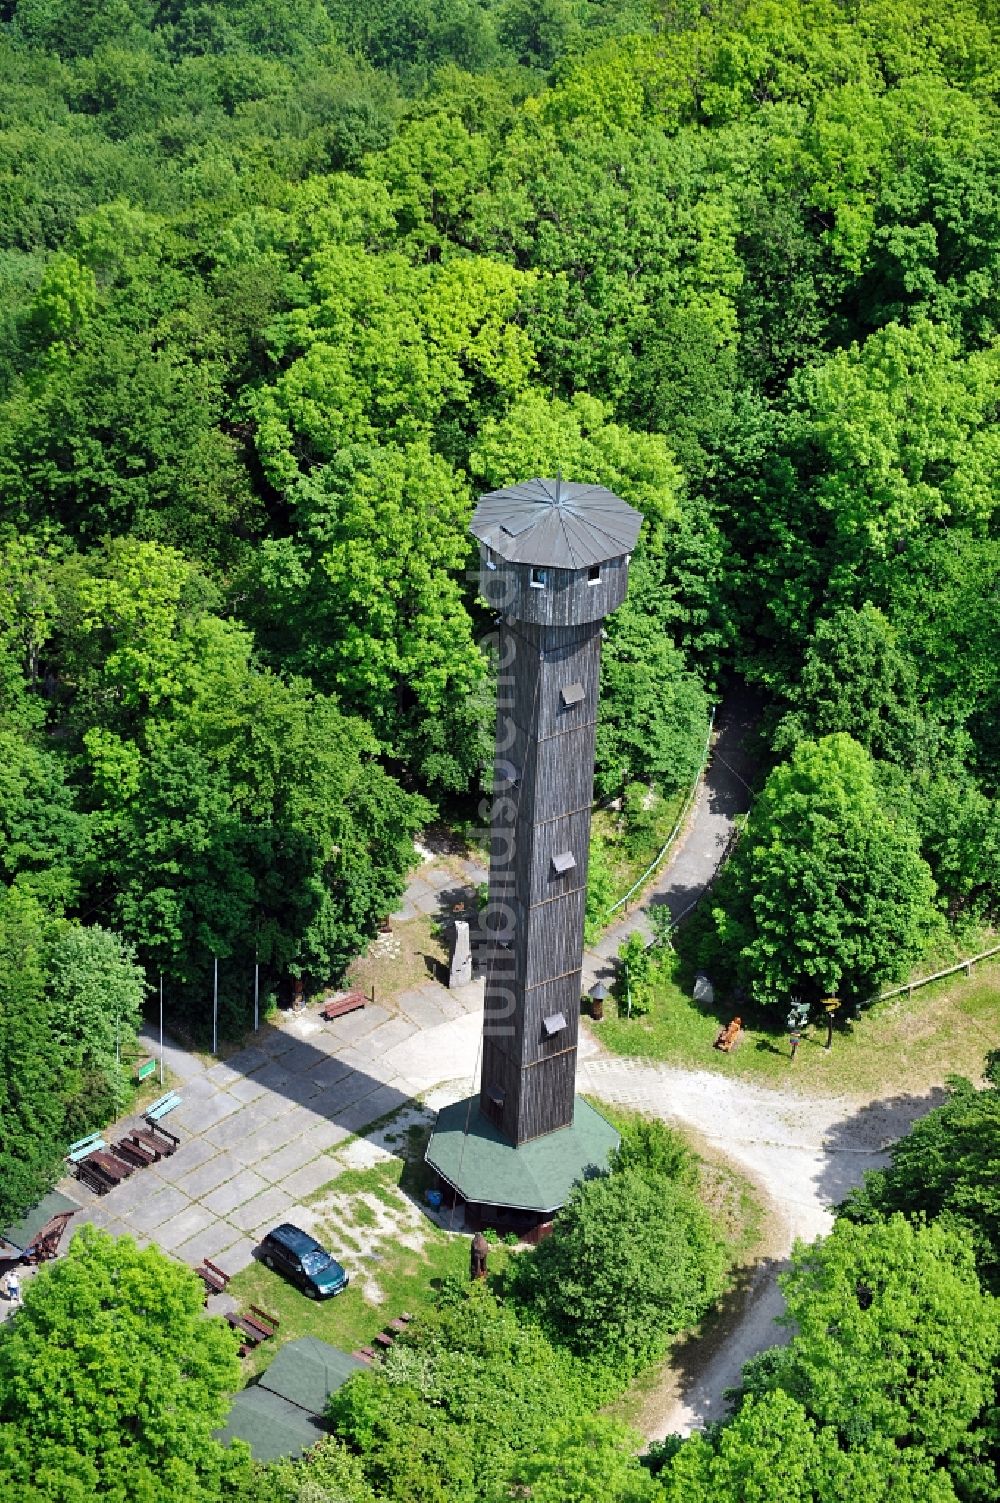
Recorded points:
(84,1147)
(364,1354)
(351,1002)
(214,1278)
(383,1340)
(255,1327)
(727,1037)
(162,1106)
(398,1325)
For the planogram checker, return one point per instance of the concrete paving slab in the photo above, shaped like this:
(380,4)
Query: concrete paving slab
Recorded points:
(471,996)
(450,1052)
(383,1099)
(277,1041)
(248,1088)
(323,1136)
(298,1058)
(430,904)
(242,1187)
(270,1105)
(234,1128)
(329,1072)
(195,1219)
(223,1075)
(300,1090)
(157,1209)
(450,1006)
(207,1176)
(417,887)
(210,1243)
(117,1228)
(331,1103)
(298,1121)
(395,1031)
(247,1060)
(133,1191)
(268,1138)
(354,1025)
(421,1011)
(403,914)
(311,1177)
(287,1160)
(264,1211)
(273,1076)
(198,1116)
(239,1255)
(198,1088)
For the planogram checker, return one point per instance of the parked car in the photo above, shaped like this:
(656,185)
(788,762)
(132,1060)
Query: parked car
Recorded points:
(301,1258)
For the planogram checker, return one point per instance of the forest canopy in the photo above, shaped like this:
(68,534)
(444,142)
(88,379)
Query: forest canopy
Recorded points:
(284,287)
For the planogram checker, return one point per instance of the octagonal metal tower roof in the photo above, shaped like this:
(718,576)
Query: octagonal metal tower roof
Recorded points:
(556,523)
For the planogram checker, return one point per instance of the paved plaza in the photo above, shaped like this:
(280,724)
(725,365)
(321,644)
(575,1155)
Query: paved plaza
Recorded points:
(259,1129)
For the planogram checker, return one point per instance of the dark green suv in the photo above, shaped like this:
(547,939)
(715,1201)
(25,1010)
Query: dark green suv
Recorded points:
(297,1255)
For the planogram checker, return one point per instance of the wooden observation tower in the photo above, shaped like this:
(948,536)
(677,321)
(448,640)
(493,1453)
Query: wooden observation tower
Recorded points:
(555,562)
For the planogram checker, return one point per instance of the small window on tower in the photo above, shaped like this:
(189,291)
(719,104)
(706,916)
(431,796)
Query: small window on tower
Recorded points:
(572,694)
(564,862)
(539,579)
(594,574)
(553,1025)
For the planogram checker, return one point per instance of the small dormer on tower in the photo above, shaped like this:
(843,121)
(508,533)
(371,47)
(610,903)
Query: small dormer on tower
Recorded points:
(555,562)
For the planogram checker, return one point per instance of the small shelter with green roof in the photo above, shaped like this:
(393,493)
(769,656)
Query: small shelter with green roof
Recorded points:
(282,1413)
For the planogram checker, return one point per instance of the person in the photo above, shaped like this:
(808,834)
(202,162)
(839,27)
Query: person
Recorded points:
(795,1040)
(14,1287)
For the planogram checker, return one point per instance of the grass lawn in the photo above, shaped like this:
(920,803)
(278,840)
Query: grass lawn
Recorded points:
(371,1220)
(408,1280)
(415,952)
(901,1045)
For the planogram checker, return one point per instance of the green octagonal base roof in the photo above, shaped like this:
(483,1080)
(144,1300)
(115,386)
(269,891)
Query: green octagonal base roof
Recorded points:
(471,1155)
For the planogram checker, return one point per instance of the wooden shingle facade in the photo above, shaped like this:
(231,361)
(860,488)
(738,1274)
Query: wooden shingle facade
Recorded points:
(569,570)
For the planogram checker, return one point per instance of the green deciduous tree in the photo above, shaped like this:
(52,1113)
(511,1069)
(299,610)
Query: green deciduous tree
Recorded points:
(588,1460)
(112,1381)
(827,894)
(947,1167)
(894,1344)
(425,1422)
(633,1258)
(772,1452)
(96,992)
(30,1107)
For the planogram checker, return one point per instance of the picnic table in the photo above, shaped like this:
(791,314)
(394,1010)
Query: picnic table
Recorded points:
(103,1170)
(157,1139)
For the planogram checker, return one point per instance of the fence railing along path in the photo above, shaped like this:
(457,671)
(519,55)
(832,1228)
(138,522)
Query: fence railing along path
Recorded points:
(909,987)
